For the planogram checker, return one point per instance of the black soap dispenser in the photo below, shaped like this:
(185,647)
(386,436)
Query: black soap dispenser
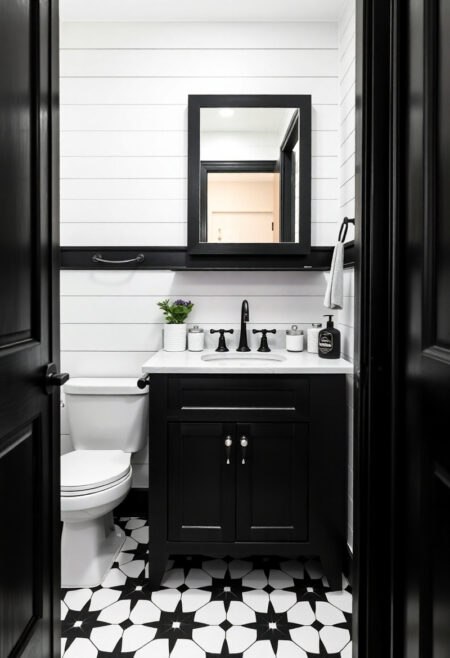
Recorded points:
(329,341)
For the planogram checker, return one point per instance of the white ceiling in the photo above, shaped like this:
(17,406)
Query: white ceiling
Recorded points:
(200,10)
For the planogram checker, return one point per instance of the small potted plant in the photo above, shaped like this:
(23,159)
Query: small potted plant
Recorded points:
(175,330)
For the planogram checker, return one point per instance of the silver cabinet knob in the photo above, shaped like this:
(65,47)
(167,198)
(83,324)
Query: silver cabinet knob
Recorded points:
(228,444)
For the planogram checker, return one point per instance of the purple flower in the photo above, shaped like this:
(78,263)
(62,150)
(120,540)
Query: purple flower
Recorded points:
(181,302)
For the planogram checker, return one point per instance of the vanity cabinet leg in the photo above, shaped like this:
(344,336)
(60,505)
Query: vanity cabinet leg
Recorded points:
(156,569)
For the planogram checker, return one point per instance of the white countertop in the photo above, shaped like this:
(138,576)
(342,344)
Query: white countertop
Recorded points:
(295,363)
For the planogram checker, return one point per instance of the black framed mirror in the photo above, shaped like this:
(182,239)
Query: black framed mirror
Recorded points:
(249,174)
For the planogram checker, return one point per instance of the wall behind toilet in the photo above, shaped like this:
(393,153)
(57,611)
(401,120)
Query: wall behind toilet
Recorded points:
(124,89)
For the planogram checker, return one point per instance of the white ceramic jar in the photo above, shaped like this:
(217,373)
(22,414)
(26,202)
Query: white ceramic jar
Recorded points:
(174,337)
(294,339)
(313,337)
(196,339)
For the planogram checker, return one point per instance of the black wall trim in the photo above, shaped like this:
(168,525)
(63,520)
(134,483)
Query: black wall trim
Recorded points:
(178,259)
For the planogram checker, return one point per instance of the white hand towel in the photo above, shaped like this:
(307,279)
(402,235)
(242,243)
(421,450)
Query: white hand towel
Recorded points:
(334,296)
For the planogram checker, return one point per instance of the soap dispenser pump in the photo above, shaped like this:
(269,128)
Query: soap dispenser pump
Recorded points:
(329,341)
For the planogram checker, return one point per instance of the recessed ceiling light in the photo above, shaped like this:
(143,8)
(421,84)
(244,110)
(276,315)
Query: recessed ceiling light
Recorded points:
(226,112)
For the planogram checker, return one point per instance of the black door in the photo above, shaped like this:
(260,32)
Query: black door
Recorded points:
(424,540)
(29,425)
(201,487)
(272,482)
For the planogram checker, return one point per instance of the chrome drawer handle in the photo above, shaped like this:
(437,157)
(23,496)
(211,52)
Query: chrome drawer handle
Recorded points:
(98,258)
(244,444)
(228,444)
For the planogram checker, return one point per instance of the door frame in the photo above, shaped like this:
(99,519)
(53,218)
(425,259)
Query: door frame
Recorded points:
(377,267)
(377,624)
(55,267)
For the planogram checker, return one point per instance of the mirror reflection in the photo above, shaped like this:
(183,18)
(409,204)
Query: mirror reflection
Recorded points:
(249,175)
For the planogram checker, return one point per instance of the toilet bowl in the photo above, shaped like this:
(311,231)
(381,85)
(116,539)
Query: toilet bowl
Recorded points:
(107,422)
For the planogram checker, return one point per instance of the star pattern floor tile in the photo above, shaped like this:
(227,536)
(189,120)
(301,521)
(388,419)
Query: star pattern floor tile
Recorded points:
(255,608)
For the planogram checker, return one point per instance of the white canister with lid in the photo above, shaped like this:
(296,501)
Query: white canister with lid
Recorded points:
(313,337)
(196,339)
(294,339)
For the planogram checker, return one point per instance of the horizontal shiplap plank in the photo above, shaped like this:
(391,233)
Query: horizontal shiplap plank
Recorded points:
(135,91)
(323,234)
(347,170)
(221,63)
(185,284)
(348,210)
(347,25)
(159,144)
(158,167)
(123,210)
(104,364)
(346,315)
(348,190)
(208,308)
(162,234)
(348,99)
(124,143)
(347,50)
(325,210)
(198,35)
(126,167)
(116,188)
(124,117)
(321,188)
(157,117)
(348,122)
(148,210)
(324,167)
(142,337)
(348,145)
(347,78)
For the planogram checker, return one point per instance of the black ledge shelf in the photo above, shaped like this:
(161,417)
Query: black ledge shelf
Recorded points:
(178,259)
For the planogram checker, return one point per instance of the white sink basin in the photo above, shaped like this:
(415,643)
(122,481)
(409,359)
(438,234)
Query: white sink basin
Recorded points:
(243,357)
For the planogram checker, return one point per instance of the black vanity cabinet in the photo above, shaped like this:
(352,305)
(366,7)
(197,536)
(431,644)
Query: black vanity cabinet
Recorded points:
(248,464)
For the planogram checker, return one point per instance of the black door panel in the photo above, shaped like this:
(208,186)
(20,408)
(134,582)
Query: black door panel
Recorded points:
(424,539)
(201,482)
(29,418)
(272,483)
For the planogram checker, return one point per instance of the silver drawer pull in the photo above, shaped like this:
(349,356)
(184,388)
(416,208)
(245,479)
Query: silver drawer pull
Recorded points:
(244,444)
(198,408)
(228,444)
(98,258)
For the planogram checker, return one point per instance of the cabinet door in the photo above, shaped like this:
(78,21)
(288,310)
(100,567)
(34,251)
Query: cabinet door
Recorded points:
(272,481)
(201,482)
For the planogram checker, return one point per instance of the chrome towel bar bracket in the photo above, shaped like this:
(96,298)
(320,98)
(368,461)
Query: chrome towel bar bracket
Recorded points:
(98,258)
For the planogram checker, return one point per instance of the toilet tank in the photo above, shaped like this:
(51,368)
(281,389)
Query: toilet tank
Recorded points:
(107,413)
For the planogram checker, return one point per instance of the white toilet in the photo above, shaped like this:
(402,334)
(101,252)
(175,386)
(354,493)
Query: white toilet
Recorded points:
(108,421)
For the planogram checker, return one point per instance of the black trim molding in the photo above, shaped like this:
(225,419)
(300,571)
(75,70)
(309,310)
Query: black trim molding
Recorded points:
(179,259)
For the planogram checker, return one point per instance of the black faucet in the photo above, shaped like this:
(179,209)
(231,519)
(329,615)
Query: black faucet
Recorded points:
(243,344)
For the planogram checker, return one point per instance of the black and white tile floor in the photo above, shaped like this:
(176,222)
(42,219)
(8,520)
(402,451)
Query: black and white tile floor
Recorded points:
(206,608)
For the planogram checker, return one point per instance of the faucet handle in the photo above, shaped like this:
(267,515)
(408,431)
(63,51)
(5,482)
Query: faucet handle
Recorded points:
(264,346)
(222,346)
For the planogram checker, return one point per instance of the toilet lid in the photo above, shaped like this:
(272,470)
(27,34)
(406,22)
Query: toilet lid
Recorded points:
(82,470)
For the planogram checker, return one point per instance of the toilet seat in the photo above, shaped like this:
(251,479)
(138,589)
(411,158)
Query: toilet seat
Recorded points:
(89,471)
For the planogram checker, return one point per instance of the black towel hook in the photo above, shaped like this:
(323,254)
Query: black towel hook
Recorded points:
(344,228)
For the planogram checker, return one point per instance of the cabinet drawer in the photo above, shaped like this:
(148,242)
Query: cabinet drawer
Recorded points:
(227,392)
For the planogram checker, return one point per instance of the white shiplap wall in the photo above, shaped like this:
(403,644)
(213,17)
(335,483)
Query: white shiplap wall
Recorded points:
(345,318)
(124,91)
(110,323)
